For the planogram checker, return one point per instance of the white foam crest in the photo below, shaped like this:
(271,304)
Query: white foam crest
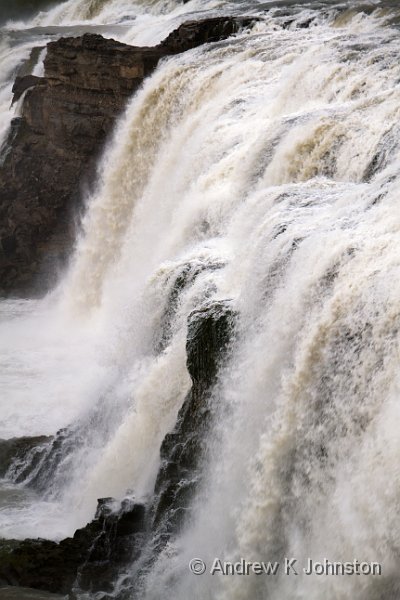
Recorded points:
(259,154)
(318,315)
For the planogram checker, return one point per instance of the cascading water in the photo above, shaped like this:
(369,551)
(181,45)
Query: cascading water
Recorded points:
(263,172)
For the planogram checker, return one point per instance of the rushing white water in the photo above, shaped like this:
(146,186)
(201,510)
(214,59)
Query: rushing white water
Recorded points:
(140,22)
(273,155)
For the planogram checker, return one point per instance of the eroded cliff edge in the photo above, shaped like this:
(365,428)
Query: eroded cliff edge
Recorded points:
(52,148)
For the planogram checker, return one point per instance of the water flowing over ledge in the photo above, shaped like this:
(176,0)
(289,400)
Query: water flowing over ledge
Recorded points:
(66,117)
(219,362)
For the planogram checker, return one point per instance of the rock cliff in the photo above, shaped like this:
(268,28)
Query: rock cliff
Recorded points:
(51,151)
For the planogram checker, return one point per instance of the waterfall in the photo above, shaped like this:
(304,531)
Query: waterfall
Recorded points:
(260,172)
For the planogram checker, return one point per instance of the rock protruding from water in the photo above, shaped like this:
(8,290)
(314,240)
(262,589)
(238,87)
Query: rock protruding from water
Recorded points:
(15,452)
(210,332)
(192,34)
(88,559)
(50,154)
(125,537)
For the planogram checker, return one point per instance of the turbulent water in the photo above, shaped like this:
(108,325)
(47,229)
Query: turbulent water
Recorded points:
(274,155)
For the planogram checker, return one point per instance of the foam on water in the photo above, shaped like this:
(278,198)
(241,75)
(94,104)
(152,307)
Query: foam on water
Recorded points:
(274,155)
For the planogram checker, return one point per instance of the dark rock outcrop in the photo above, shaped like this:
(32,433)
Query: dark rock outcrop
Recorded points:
(52,148)
(16,450)
(126,537)
(23,83)
(210,331)
(182,278)
(192,34)
(123,533)
(88,558)
(41,470)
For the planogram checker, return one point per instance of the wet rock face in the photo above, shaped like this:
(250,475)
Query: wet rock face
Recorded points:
(182,279)
(126,537)
(14,452)
(51,152)
(184,450)
(210,332)
(40,564)
(88,559)
(195,33)
(123,532)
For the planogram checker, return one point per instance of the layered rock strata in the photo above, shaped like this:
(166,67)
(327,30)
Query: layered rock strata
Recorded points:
(50,154)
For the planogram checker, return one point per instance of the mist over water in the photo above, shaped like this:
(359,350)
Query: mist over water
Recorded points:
(274,156)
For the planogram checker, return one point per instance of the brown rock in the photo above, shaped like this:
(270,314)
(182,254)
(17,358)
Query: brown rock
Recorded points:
(52,149)
(24,83)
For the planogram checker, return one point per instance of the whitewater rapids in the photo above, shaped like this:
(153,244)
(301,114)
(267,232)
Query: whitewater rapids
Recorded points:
(274,155)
